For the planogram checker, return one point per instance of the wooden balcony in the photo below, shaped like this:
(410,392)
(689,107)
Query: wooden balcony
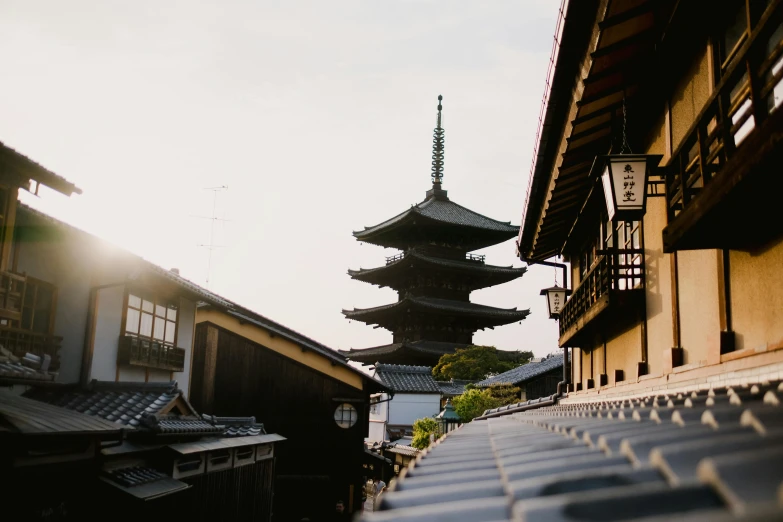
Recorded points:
(610,296)
(12,292)
(19,344)
(135,351)
(723,184)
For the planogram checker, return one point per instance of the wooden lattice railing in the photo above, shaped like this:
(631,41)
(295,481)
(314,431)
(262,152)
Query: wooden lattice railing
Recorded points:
(750,89)
(136,351)
(614,270)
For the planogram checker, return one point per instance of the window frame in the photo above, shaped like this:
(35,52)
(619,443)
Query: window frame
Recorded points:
(157,301)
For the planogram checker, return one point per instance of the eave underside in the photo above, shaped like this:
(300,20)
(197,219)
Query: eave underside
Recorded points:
(426,353)
(416,230)
(479,316)
(621,55)
(477,275)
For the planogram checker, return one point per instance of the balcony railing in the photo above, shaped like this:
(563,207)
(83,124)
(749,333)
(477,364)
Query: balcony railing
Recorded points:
(150,354)
(33,350)
(615,271)
(392,259)
(750,90)
(12,292)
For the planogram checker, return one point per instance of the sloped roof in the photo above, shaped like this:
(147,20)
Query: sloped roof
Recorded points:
(445,211)
(237,426)
(449,306)
(124,403)
(13,161)
(27,416)
(213,299)
(453,387)
(482,274)
(402,378)
(705,455)
(525,372)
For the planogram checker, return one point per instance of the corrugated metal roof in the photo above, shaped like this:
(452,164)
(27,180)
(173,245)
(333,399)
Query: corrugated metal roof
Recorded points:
(525,372)
(711,454)
(403,378)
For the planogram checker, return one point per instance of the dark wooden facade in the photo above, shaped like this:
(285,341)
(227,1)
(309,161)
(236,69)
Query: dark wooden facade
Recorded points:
(320,462)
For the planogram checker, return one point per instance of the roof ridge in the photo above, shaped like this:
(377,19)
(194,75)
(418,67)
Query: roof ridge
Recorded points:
(402,368)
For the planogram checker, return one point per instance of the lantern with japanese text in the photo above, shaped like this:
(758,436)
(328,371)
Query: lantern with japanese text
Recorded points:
(555,300)
(624,180)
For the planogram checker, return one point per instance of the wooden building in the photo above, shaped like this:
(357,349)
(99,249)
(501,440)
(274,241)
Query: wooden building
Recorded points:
(434,275)
(245,363)
(691,291)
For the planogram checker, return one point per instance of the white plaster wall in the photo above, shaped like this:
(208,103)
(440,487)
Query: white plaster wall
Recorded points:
(377,432)
(405,408)
(108,322)
(64,264)
(187,319)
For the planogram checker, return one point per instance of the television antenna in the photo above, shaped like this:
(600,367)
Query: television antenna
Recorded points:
(211,246)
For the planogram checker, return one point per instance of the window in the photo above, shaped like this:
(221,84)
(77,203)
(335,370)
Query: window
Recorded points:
(39,306)
(345,415)
(151,318)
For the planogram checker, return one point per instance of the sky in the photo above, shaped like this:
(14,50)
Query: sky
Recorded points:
(317,116)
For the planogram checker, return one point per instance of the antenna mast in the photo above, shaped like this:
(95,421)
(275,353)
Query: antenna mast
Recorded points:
(213,218)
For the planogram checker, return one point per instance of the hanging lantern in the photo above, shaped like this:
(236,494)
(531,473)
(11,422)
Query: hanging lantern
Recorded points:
(555,300)
(624,179)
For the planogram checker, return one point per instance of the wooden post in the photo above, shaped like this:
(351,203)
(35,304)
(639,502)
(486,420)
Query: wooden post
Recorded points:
(210,364)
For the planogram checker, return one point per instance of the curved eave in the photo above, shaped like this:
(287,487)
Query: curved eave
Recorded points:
(398,235)
(482,276)
(487,314)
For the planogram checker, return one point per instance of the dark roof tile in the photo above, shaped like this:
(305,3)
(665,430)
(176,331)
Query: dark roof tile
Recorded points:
(121,402)
(407,379)
(525,372)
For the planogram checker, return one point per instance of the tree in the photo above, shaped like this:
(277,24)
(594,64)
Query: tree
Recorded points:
(505,393)
(422,428)
(473,403)
(475,363)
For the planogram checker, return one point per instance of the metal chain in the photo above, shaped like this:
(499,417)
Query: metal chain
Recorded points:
(625,140)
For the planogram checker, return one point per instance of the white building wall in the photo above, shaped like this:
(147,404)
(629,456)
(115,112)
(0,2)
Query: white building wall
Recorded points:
(108,321)
(405,408)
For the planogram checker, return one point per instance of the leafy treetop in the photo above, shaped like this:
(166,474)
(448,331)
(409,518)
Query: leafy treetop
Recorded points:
(475,363)
(422,428)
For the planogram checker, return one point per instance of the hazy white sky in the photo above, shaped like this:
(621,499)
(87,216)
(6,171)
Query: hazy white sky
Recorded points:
(317,115)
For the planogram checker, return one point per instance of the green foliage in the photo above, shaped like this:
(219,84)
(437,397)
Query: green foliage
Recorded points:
(505,393)
(475,363)
(473,402)
(422,428)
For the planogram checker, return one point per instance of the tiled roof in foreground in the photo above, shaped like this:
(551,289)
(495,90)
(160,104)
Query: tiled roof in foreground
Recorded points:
(706,455)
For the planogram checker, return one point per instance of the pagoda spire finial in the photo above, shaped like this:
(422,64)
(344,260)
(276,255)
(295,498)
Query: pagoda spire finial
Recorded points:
(437,150)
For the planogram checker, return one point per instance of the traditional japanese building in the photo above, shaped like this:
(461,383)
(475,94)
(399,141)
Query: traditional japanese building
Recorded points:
(434,274)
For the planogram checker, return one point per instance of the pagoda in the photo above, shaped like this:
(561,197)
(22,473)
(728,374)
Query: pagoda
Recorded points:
(433,274)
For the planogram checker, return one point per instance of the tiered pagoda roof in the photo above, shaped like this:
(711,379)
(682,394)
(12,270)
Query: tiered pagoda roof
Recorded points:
(433,275)
(439,218)
(476,273)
